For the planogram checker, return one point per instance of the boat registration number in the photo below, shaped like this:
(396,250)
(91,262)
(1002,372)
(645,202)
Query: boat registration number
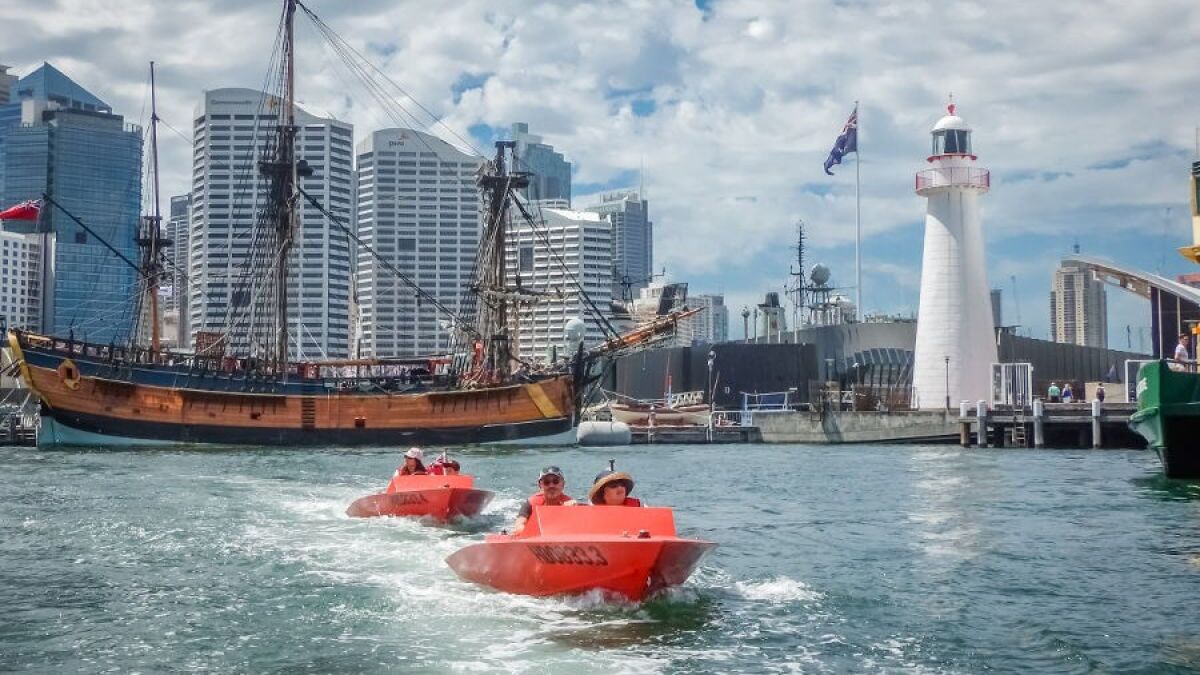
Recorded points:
(408,498)
(569,555)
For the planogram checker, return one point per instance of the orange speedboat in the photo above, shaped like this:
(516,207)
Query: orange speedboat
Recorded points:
(629,551)
(439,497)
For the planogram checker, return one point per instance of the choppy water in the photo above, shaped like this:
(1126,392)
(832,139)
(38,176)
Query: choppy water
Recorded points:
(832,559)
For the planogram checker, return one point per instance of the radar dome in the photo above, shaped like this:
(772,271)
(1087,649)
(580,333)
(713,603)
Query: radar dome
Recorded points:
(819,274)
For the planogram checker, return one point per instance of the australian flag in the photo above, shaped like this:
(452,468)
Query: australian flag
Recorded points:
(845,144)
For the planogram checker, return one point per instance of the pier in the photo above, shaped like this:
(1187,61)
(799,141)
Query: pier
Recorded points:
(1061,425)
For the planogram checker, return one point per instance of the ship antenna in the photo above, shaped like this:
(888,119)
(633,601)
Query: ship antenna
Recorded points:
(612,465)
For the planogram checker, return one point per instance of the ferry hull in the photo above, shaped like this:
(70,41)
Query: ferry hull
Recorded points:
(443,504)
(1168,417)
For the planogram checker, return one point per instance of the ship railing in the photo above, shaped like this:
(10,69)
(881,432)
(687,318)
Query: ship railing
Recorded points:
(953,176)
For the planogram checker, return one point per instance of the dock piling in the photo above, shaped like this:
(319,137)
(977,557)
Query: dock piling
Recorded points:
(981,438)
(1096,409)
(1039,419)
(964,425)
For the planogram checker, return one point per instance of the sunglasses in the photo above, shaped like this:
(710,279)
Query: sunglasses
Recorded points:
(551,480)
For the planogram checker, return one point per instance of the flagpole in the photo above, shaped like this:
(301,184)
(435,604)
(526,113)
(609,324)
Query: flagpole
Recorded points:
(858,213)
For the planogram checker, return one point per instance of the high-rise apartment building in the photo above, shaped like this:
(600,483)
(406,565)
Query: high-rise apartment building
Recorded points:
(20,279)
(418,209)
(551,171)
(1078,307)
(565,245)
(59,139)
(712,324)
(8,82)
(633,238)
(231,129)
(174,291)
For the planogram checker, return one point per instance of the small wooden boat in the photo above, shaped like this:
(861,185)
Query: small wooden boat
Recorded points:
(442,498)
(638,414)
(627,551)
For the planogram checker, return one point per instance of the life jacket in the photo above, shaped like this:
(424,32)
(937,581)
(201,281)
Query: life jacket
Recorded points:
(630,501)
(539,499)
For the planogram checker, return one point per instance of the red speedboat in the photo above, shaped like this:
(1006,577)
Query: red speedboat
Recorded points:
(629,551)
(439,497)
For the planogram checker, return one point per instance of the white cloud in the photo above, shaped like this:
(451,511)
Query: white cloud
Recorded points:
(747,101)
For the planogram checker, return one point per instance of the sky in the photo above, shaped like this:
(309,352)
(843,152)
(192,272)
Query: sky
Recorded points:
(1085,112)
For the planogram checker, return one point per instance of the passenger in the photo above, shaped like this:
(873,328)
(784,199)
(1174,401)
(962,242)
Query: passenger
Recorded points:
(1100,392)
(612,488)
(444,466)
(1053,393)
(1182,358)
(1067,395)
(551,482)
(412,463)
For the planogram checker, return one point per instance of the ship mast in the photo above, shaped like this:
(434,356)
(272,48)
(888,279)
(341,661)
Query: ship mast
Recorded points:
(150,239)
(493,363)
(284,172)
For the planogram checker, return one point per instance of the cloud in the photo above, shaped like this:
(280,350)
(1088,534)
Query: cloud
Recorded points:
(1084,111)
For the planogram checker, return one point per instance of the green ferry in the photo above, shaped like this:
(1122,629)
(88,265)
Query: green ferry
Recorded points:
(1168,393)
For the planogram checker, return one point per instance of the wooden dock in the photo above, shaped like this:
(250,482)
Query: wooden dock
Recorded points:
(1058,425)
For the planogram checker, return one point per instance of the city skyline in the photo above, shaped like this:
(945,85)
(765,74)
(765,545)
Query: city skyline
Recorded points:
(732,106)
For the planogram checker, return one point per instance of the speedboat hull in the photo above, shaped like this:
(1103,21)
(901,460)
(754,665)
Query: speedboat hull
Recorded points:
(566,550)
(628,567)
(439,497)
(437,503)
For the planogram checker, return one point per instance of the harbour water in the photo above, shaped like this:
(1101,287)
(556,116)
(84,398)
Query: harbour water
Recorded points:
(833,559)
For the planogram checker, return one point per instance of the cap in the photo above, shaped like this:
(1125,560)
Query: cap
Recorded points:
(550,471)
(415,453)
(605,478)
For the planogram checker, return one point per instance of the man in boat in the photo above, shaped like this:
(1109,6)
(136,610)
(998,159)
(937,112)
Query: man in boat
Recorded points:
(612,488)
(551,482)
(444,466)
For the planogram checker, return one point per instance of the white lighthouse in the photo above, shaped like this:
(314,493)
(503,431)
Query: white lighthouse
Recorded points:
(956,344)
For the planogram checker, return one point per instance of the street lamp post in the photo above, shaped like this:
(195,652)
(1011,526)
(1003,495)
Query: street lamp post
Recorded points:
(746,324)
(947,384)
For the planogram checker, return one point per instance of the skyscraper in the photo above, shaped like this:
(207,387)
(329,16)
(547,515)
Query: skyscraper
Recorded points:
(59,139)
(551,172)
(582,249)
(418,208)
(231,129)
(633,238)
(8,82)
(711,325)
(175,289)
(1078,307)
(20,276)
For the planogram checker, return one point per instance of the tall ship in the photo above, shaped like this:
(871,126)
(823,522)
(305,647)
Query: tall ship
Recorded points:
(1168,391)
(240,385)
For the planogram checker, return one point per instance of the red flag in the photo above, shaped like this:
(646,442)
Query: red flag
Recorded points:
(24,211)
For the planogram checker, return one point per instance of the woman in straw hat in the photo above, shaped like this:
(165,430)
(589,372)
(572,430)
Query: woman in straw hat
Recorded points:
(412,463)
(612,488)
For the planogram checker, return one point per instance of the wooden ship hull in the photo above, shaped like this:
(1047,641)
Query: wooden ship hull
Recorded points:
(90,399)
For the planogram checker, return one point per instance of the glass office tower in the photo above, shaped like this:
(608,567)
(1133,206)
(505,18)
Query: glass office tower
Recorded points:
(60,140)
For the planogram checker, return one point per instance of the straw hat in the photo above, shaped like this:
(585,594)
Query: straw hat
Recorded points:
(415,453)
(596,494)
